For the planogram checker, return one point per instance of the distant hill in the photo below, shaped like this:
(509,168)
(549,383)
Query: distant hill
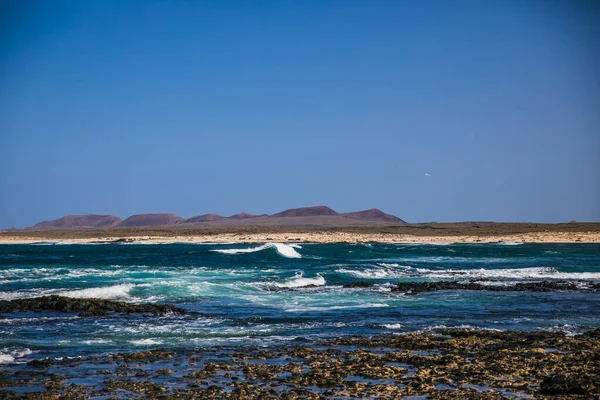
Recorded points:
(372,215)
(245,215)
(300,217)
(306,212)
(202,218)
(150,220)
(80,221)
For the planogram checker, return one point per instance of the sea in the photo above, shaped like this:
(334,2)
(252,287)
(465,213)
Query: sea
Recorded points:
(280,293)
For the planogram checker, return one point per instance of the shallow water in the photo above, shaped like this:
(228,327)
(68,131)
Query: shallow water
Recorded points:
(254,293)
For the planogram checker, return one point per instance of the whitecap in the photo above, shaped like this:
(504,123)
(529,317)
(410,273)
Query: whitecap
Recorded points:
(386,271)
(108,292)
(145,342)
(286,250)
(299,281)
(327,308)
(519,273)
(9,355)
(391,326)
(97,341)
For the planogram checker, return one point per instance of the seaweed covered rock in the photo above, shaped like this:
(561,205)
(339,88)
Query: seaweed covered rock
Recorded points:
(85,307)
(570,384)
(360,284)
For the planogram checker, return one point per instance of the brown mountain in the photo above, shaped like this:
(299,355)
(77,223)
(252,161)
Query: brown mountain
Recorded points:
(306,212)
(298,217)
(245,215)
(80,221)
(203,218)
(372,215)
(150,220)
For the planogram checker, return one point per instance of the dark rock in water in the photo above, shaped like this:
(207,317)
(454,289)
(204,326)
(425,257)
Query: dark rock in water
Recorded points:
(353,285)
(569,384)
(85,307)
(544,286)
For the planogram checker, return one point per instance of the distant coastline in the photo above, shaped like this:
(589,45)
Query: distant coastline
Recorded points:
(465,232)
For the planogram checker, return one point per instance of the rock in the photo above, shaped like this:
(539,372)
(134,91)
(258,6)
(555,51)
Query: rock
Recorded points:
(353,285)
(85,307)
(570,384)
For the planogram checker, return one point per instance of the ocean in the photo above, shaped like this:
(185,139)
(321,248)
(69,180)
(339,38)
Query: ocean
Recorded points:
(265,294)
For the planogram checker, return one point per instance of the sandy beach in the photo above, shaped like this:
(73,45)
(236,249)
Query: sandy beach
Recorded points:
(313,237)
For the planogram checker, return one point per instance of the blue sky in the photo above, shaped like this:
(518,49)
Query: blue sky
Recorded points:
(191,107)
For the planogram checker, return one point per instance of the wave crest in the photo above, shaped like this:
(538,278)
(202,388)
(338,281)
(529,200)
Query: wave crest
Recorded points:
(108,292)
(9,355)
(286,250)
(480,273)
(299,281)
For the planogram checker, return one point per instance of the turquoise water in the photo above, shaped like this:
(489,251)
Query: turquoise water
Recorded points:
(255,293)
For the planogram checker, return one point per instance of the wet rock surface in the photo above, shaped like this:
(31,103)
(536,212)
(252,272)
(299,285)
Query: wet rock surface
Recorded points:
(445,364)
(85,307)
(544,286)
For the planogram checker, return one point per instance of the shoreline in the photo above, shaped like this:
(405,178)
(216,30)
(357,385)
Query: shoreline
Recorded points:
(442,364)
(309,237)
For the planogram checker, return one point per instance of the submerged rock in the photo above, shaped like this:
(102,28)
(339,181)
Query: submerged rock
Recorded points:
(85,307)
(352,285)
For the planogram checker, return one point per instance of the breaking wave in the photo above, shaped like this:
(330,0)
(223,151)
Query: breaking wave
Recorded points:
(391,326)
(108,292)
(482,273)
(299,281)
(9,355)
(286,250)
(522,273)
(146,342)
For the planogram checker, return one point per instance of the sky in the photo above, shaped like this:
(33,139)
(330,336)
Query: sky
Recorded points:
(193,107)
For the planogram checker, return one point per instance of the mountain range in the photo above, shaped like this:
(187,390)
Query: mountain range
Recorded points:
(305,216)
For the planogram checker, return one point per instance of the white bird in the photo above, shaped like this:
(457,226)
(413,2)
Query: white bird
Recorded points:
(426,174)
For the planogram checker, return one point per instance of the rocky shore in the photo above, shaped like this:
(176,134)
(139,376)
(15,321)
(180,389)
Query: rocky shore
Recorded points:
(445,364)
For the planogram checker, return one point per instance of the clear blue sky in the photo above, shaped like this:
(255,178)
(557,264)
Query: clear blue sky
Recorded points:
(123,107)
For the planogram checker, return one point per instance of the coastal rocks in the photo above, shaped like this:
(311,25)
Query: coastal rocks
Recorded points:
(443,364)
(85,307)
(569,384)
(354,285)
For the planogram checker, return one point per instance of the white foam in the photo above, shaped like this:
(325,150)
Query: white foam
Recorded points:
(286,250)
(378,273)
(481,273)
(391,326)
(365,273)
(109,292)
(299,281)
(97,341)
(145,342)
(327,308)
(14,321)
(520,273)
(463,326)
(9,355)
